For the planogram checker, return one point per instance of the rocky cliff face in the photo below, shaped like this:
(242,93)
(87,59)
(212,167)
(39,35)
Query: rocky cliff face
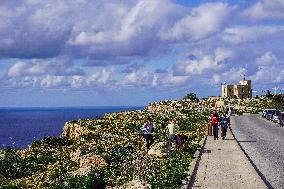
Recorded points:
(73,131)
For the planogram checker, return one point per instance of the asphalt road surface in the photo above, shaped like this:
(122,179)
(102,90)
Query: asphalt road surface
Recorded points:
(263,141)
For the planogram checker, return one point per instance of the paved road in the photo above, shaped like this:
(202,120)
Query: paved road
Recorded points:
(263,141)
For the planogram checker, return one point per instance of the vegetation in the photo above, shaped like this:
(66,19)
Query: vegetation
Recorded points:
(109,152)
(192,96)
(13,166)
(92,181)
(278,101)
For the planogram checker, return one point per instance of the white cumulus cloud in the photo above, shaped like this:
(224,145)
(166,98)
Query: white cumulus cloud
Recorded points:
(204,63)
(266,9)
(201,22)
(245,34)
(267,58)
(55,66)
(52,81)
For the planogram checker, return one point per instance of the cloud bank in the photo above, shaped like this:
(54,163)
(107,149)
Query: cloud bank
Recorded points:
(139,45)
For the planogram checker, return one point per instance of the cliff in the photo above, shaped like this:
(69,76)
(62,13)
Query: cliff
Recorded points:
(109,152)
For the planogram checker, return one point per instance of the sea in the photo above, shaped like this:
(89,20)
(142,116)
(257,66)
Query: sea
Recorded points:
(19,127)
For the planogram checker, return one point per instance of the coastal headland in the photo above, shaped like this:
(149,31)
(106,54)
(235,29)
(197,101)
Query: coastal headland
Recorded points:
(109,152)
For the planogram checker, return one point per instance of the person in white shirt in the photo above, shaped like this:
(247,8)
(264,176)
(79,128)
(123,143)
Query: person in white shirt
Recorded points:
(147,130)
(228,113)
(172,129)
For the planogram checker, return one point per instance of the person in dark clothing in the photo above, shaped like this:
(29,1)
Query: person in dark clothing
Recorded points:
(214,120)
(180,141)
(224,126)
(147,130)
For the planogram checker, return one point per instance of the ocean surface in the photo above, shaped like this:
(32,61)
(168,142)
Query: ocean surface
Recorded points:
(19,127)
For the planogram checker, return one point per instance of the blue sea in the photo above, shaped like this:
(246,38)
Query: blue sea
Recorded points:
(19,127)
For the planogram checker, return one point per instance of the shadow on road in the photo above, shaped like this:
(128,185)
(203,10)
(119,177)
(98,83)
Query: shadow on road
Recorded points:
(206,151)
(247,141)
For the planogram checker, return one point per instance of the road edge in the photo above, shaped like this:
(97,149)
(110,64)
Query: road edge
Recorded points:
(188,181)
(266,182)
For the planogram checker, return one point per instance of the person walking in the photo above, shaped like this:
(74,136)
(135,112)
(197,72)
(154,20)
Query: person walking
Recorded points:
(171,136)
(228,112)
(224,126)
(214,119)
(147,130)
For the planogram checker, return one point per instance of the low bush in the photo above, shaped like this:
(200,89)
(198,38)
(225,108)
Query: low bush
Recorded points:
(52,142)
(170,171)
(45,157)
(90,181)
(118,153)
(14,166)
(10,186)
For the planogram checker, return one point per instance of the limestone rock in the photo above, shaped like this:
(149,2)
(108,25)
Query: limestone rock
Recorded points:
(83,171)
(75,156)
(156,150)
(73,131)
(92,161)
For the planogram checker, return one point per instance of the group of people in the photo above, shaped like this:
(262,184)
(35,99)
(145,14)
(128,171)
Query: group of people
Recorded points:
(216,122)
(147,130)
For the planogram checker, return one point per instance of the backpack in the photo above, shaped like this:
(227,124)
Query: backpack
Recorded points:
(214,120)
(180,141)
(224,123)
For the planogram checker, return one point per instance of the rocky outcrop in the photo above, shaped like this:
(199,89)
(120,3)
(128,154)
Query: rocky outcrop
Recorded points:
(74,131)
(156,150)
(92,161)
(88,160)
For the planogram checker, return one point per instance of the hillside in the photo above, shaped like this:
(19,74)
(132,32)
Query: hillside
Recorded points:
(108,152)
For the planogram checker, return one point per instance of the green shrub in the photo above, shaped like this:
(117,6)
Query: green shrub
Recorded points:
(170,171)
(278,101)
(192,97)
(90,181)
(91,136)
(119,152)
(45,157)
(52,141)
(10,186)
(120,167)
(59,173)
(12,165)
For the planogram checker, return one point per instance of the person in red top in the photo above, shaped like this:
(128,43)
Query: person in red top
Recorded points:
(214,120)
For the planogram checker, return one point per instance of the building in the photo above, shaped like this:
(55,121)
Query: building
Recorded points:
(242,90)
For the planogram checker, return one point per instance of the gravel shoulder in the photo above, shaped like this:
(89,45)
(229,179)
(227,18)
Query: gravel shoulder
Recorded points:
(263,142)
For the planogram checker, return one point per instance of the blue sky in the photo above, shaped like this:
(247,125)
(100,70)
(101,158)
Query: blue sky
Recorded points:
(132,52)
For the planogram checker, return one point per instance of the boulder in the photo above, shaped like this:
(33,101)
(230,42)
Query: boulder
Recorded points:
(156,150)
(92,161)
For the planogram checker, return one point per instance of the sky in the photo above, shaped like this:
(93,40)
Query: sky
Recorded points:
(132,52)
